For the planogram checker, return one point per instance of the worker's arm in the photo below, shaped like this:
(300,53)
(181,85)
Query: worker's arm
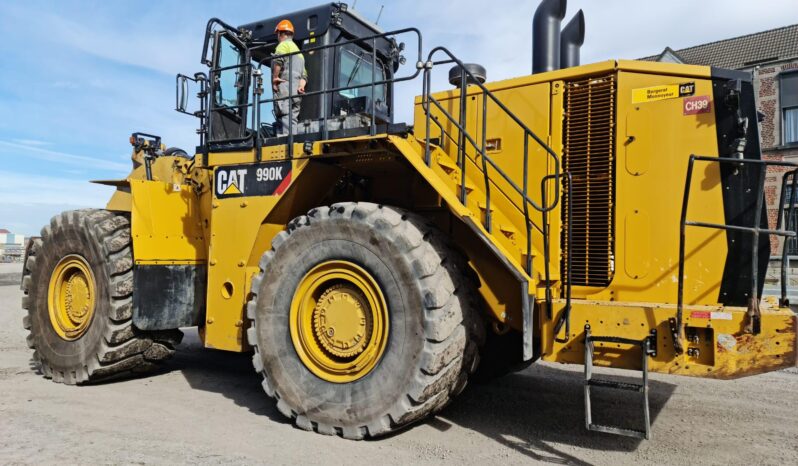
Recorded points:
(276,68)
(303,79)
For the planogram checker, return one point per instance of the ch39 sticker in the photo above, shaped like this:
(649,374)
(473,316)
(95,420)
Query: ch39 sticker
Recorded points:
(266,179)
(697,104)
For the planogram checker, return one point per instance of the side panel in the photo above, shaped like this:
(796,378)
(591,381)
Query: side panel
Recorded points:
(234,226)
(251,204)
(121,200)
(166,224)
(654,140)
(169,255)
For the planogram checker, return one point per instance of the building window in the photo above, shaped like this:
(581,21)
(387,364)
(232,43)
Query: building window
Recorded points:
(788,98)
(790,220)
(790,243)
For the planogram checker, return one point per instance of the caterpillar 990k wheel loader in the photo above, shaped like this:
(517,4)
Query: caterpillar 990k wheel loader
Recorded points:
(608,214)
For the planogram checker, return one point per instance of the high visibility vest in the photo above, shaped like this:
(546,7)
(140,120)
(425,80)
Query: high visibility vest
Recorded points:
(297,61)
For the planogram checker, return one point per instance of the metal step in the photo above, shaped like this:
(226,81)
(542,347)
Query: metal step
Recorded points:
(641,434)
(633,387)
(648,347)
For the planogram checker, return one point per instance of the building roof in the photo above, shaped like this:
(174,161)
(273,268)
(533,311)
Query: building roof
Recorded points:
(739,52)
(3,230)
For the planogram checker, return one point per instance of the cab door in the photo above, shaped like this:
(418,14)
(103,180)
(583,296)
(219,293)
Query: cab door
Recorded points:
(230,80)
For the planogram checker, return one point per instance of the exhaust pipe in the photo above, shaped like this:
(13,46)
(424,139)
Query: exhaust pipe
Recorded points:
(571,40)
(546,35)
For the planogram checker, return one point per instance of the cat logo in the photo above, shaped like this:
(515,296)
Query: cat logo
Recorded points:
(686,89)
(231,182)
(263,179)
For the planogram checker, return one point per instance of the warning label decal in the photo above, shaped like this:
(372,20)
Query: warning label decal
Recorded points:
(666,91)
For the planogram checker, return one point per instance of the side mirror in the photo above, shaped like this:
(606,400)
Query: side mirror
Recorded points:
(181,93)
(182,89)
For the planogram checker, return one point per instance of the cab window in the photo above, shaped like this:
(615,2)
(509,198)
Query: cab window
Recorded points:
(355,69)
(228,87)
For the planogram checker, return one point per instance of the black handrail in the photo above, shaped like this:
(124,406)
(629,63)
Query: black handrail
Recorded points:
(493,164)
(565,316)
(488,216)
(209,30)
(324,91)
(257,89)
(485,162)
(753,324)
(547,253)
(466,78)
(528,132)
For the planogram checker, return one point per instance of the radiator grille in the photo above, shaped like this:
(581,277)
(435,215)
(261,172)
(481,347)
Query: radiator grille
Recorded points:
(589,155)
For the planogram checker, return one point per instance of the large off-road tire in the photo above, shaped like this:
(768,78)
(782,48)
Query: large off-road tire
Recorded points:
(78,285)
(433,329)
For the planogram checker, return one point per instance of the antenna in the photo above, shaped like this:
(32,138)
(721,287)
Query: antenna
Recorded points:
(354,4)
(379,15)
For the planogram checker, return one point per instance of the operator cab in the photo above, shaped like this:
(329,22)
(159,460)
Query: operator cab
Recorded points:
(336,63)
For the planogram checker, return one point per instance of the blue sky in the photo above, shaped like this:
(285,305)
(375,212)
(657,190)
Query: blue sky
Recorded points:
(76,78)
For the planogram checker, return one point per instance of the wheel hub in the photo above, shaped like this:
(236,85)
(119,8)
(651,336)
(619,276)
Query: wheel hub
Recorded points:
(70,297)
(339,321)
(77,298)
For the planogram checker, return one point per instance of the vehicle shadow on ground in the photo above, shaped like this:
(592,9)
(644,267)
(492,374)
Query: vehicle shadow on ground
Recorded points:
(226,373)
(530,410)
(526,411)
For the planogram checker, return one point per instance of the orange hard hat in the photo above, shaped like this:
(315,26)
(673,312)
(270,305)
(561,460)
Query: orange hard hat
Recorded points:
(284,25)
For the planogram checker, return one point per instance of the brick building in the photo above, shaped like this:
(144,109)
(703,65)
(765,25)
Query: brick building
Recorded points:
(772,57)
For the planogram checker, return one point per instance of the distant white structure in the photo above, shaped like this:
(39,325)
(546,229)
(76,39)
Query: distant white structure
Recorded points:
(12,246)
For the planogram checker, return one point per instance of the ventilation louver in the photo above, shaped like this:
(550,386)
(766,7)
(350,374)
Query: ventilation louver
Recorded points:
(589,155)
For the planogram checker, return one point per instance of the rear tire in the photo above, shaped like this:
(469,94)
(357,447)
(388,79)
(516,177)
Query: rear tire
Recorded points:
(97,341)
(176,152)
(434,326)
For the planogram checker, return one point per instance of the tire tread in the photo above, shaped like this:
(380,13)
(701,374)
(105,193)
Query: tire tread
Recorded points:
(453,326)
(124,349)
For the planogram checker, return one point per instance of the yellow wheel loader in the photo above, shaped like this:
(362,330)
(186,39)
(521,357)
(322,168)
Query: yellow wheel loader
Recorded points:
(609,215)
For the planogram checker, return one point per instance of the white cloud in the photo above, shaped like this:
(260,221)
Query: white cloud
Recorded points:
(26,189)
(110,37)
(29,201)
(63,157)
(31,142)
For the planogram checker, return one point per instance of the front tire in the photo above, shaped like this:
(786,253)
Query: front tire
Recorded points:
(78,285)
(358,382)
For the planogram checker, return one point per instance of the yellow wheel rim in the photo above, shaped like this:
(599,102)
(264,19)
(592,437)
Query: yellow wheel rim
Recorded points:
(339,321)
(70,297)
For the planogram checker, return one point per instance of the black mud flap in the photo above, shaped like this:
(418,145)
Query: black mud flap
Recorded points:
(168,296)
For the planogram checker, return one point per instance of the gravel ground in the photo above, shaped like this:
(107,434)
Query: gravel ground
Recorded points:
(208,407)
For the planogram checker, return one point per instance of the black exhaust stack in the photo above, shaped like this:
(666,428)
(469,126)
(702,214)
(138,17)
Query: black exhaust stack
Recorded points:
(546,35)
(571,40)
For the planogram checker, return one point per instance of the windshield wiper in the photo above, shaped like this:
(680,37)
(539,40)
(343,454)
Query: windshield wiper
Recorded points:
(354,69)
